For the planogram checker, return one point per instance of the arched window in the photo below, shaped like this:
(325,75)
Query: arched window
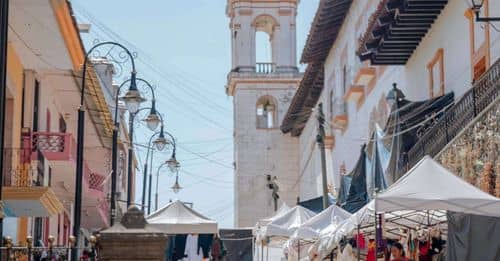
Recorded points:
(266,113)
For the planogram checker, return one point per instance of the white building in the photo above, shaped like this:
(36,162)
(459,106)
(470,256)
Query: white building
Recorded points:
(443,51)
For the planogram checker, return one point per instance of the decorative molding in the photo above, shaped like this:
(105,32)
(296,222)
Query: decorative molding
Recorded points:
(245,12)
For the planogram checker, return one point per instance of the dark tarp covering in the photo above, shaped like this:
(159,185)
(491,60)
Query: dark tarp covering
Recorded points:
(345,186)
(358,197)
(402,130)
(316,204)
(472,237)
(404,120)
(238,244)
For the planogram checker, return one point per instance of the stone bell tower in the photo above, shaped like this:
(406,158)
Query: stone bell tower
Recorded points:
(262,92)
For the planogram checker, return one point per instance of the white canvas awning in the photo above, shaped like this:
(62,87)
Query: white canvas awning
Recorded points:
(430,186)
(325,220)
(286,225)
(177,218)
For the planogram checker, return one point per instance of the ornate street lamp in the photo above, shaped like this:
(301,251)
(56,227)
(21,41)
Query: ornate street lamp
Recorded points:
(174,166)
(160,143)
(176,187)
(80,139)
(476,6)
(132,100)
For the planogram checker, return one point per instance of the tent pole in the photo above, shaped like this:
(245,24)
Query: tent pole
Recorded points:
(357,245)
(298,251)
(262,250)
(267,253)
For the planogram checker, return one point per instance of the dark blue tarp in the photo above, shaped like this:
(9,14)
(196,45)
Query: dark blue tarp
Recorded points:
(316,204)
(406,122)
(358,196)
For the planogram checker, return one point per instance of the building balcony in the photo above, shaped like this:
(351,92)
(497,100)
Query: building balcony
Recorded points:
(54,146)
(60,150)
(25,191)
(262,72)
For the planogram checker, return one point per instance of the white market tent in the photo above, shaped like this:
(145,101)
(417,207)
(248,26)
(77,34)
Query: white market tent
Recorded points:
(309,231)
(327,219)
(288,223)
(420,197)
(177,218)
(428,185)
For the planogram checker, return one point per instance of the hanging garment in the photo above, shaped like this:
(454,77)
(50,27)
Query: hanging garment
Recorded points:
(360,241)
(371,251)
(204,243)
(347,254)
(217,249)
(191,250)
(424,251)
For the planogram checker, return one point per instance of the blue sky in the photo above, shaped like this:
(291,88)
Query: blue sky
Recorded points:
(183,48)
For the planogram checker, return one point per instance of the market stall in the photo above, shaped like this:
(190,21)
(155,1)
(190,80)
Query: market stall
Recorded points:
(309,231)
(191,234)
(417,202)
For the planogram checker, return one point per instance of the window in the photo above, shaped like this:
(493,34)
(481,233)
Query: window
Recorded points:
(266,113)
(62,124)
(436,74)
(479,34)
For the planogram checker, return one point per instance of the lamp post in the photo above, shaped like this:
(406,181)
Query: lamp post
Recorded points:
(132,98)
(173,166)
(132,101)
(80,139)
(476,6)
(160,143)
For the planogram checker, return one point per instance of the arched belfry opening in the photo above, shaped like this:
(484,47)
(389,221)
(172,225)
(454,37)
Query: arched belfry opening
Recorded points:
(264,27)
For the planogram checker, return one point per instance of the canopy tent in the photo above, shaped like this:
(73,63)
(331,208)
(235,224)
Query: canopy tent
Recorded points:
(288,223)
(177,218)
(428,185)
(420,198)
(328,219)
(283,209)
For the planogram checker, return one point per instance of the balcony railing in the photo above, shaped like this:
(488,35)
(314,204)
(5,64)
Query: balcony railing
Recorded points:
(55,146)
(265,68)
(96,181)
(18,171)
(435,138)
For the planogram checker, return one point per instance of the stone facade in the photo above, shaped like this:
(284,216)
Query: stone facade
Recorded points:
(474,154)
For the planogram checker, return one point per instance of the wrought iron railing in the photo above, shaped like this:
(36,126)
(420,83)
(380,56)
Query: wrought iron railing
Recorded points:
(96,181)
(484,91)
(265,68)
(30,251)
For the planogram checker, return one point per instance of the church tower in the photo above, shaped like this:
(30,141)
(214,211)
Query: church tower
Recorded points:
(262,82)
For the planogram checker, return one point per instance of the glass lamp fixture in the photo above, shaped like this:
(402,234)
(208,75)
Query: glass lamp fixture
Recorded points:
(133,98)
(176,187)
(394,95)
(152,120)
(173,164)
(161,143)
(476,4)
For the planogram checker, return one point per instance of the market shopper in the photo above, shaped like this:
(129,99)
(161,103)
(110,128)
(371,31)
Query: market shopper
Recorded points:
(397,252)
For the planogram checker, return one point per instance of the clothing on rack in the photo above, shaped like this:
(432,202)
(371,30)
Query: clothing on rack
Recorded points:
(192,251)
